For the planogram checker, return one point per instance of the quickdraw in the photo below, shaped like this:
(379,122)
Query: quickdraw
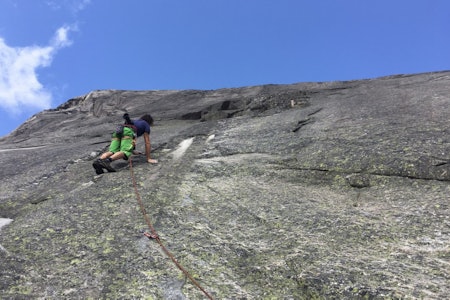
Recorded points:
(151,236)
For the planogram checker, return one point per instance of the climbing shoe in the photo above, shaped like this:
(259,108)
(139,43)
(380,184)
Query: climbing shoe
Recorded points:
(101,164)
(98,168)
(106,164)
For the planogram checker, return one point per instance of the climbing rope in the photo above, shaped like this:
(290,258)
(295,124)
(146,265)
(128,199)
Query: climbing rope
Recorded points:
(154,235)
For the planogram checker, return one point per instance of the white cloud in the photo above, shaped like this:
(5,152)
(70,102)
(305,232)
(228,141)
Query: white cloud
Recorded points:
(74,6)
(80,5)
(61,38)
(19,85)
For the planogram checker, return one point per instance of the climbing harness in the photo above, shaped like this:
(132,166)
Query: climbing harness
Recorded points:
(154,235)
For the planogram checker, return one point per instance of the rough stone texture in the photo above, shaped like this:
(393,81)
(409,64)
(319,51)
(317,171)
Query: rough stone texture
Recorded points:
(333,190)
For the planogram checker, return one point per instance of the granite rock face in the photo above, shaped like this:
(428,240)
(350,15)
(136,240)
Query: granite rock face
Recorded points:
(333,190)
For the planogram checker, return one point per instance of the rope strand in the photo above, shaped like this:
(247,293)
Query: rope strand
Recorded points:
(153,231)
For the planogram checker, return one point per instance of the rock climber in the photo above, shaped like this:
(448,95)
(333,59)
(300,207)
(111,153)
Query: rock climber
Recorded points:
(123,143)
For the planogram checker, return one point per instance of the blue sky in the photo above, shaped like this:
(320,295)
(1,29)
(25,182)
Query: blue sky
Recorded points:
(54,50)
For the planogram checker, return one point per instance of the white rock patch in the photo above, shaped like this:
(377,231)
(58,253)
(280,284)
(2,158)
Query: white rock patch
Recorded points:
(210,138)
(182,147)
(4,222)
